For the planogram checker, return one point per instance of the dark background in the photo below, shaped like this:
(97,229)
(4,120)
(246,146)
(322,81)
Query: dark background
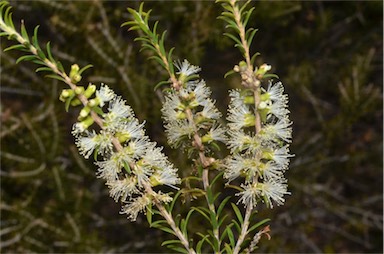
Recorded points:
(329,56)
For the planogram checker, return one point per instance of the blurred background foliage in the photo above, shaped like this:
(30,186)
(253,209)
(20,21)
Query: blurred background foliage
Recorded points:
(328,55)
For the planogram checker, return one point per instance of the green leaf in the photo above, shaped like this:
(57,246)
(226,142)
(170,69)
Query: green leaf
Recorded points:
(18,47)
(43,69)
(199,210)
(222,205)
(48,47)
(98,110)
(170,61)
(231,236)
(85,68)
(149,214)
(247,15)
(229,73)
(222,219)
(55,76)
(165,229)
(206,237)
(158,223)
(160,84)
(238,213)
(257,225)
(233,38)
(250,37)
(127,167)
(159,60)
(25,58)
(217,177)
(171,242)
(178,249)
(200,244)
(234,187)
(254,57)
(237,225)
(24,33)
(228,248)
(174,201)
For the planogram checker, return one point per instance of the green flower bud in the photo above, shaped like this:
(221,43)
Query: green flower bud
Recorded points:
(65,94)
(90,90)
(242,66)
(92,103)
(153,180)
(79,90)
(249,100)
(249,120)
(181,115)
(84,112)
(122,137)
(87,122)
(74,73)
(206,139)
(75,102)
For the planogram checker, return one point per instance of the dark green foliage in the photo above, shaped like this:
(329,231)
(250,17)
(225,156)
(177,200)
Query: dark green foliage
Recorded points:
(328,54)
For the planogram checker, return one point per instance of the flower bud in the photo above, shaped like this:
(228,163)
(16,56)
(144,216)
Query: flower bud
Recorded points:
(79,90)
(84,112)
(90,90)
(74,73)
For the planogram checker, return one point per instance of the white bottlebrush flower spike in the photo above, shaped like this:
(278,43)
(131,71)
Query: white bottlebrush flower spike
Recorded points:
(189,110)
(129,169)
(259,154)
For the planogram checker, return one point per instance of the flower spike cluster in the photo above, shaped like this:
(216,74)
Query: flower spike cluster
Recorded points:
(260,157)
(129,170)
(188,109)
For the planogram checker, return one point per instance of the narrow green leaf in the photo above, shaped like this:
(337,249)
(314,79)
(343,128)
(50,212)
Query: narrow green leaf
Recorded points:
(218,176)
(170,242)
(233,38)
(18,47)
(166,82)
(158,223)
(222,205)
(238,213)
(174,201)
(244,6)
(231,237)
(170,61)
(98,111)
(257,225)
(199,210)
(254,57)
(165,229)
(48,48)
(25,58)
(237,225)
(127,167)
(85,68)
(200,244)
(149,214)
(222,219)
(178,249)
(43,69)
(68,101)
(206,237)
(250,37)
(228,248)
(234,187)
(229,73)
(247,15)
(159,60)
(54,76)
(270,76)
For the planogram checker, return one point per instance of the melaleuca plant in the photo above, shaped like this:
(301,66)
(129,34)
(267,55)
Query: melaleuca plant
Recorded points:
(135,169)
